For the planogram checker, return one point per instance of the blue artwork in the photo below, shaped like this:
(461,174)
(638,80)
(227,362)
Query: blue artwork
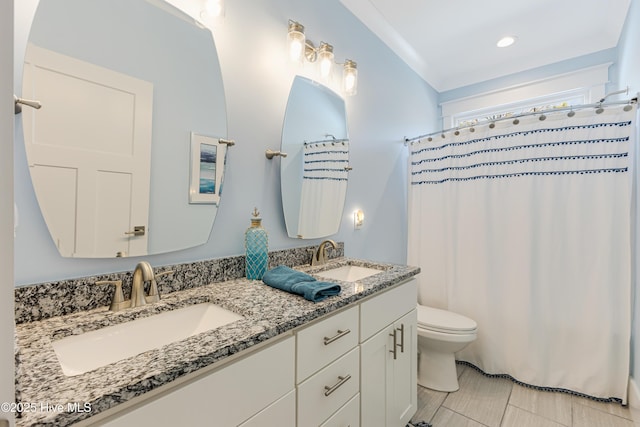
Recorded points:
(208,154)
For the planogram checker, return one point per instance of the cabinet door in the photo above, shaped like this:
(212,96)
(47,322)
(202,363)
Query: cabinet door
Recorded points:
(403,397)
(389,378)
(376,377)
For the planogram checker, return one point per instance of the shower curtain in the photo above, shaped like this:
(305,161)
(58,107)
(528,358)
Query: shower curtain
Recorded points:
(324,186)
(526,229)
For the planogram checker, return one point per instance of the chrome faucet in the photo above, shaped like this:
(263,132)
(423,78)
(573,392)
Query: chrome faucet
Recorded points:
(320,255)
(142,273)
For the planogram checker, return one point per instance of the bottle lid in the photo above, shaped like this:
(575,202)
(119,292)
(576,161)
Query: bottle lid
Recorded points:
(255,221)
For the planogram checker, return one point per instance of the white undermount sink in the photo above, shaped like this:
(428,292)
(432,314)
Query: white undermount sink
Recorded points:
(348,273)
(78,354)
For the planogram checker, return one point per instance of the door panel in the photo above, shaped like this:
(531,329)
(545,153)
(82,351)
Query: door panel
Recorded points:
(110,144)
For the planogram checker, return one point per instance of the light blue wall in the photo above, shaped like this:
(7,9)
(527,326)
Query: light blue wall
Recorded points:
(628,74)
(392,102)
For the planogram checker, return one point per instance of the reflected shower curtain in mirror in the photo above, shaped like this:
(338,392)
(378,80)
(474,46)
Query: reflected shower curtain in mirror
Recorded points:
(324,185)
(527,230)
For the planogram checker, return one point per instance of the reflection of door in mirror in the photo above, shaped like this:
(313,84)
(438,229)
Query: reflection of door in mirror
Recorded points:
(94,180)
(128,44)
(314,174)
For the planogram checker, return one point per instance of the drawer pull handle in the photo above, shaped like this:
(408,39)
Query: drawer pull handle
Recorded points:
(395,344)
(339,335)
(329,390)
(401,345)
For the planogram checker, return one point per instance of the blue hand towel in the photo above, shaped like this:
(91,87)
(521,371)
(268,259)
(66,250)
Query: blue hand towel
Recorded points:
(297,282)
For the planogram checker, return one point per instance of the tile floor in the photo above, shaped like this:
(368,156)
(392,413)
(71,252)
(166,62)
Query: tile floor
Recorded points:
(496,402)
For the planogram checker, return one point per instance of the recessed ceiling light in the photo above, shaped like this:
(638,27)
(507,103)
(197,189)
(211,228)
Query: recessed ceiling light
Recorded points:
(506,41)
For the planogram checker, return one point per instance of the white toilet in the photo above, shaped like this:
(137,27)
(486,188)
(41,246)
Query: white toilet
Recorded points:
(441,333)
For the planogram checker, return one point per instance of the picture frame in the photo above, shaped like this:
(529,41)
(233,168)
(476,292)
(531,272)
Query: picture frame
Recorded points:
(208,158)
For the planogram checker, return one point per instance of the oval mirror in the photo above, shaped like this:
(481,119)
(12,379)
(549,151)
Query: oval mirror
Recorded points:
(125,151)
(314,174)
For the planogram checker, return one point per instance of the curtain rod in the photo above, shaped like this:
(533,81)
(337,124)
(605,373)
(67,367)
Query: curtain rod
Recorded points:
(343,140)
(599,106)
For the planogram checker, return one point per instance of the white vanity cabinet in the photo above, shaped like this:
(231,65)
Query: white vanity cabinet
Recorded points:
(257,390)
(388,360)
(353,367)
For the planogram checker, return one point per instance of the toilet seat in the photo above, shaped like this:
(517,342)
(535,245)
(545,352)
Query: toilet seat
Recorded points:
(444,321)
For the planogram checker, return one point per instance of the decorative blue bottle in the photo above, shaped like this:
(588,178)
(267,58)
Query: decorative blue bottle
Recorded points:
(257,250)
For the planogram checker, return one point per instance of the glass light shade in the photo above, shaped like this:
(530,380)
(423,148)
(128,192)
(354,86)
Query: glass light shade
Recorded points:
(350,77)
(296,41)
(325,60)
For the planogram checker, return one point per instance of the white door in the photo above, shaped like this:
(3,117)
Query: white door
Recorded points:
(89,152)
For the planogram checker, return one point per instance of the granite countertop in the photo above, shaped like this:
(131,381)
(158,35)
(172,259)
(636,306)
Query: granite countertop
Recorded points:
(267,312)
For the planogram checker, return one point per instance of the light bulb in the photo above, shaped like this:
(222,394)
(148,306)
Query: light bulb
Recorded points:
(325,57)
(350,78)
(296,41)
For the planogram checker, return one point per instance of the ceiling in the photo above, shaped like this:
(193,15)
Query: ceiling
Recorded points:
(452,43)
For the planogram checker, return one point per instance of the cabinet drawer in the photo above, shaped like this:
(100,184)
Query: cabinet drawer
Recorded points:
(347,416)
(280,413)
(384,309)
(323,342)
(328,390)
(225,397)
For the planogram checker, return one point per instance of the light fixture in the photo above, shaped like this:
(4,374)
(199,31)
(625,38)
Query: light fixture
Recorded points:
(300,48)
(350,77)
(212,8)
(325,60)
(296,41)
(358,219)
(506,41)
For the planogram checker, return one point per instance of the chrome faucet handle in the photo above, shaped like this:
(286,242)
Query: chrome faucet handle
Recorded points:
(117,301)
(154,294)
(163,273)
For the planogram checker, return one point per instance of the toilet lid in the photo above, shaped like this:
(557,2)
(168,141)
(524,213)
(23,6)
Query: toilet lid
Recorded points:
(443,320)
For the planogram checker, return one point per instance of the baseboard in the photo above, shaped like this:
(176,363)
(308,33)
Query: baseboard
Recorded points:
(633,397)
